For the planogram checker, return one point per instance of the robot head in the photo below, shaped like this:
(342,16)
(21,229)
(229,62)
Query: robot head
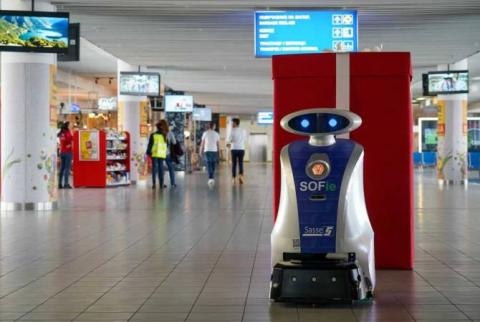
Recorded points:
(321,124)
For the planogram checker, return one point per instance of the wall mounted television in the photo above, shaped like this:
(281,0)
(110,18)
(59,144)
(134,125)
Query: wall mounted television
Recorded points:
(305,31)
(178,103)
(139,84)
(34,31)
(202,114)
(445,82)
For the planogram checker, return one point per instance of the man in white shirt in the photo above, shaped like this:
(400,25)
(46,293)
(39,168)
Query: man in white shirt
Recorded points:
(237,140)
(210,147)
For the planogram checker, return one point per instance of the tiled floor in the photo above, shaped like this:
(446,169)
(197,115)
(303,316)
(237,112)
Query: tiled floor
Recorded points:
(193,254)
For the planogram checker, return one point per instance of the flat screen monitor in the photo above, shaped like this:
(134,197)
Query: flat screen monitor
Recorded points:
(178,103)
(264,118)
(34,31)
(446,82)
(107,103)
(75,108)
(202,114)
(73,53)
(305,31)
(139,84)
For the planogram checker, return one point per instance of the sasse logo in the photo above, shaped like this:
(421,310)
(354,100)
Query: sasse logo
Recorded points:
(324,231)
(317,186)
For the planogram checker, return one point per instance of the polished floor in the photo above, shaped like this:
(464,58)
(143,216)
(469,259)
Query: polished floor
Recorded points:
(194,254)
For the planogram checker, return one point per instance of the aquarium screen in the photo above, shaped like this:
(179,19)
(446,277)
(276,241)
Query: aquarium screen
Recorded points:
(34,31)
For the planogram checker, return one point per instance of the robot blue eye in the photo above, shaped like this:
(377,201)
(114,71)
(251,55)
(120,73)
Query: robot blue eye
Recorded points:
(305,123)
(332,122)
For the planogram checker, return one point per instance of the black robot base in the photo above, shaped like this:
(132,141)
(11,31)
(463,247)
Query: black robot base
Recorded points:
(316,279)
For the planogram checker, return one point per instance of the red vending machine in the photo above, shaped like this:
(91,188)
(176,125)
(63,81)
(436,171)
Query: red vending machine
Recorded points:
(101,159)
(376,86)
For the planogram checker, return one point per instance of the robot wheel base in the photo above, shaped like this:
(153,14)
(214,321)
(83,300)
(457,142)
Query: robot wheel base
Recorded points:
(325,283)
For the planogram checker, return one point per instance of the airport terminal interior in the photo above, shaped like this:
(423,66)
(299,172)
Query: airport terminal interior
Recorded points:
(240,161)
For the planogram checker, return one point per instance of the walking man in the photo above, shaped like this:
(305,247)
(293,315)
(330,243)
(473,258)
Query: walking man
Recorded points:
(237,140)
(209,148)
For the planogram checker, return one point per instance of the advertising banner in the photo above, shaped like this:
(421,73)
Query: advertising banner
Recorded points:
(89,146)
(144,128)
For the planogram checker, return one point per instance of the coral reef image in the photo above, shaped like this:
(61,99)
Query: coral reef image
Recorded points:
(34,32)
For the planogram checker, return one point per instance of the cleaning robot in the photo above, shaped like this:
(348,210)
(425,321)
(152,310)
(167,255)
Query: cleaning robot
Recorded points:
(322,240)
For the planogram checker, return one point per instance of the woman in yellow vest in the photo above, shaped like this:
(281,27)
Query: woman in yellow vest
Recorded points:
(158,150)
(169,160)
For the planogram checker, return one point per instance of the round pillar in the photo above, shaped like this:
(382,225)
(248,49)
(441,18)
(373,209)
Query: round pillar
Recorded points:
(452,160)
(129,111)
(28,134)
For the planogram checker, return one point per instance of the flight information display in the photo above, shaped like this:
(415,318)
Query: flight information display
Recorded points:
(306,31)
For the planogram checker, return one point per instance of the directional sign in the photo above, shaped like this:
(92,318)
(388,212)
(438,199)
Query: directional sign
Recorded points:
(314,31)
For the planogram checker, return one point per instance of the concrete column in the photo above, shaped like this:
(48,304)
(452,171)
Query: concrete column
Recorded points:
(452,165)
(28,138)
(129,120)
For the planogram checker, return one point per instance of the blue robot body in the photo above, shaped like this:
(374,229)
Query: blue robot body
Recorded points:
(318,224)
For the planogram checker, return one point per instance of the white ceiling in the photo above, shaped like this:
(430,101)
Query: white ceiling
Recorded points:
(205,47)
(93,61)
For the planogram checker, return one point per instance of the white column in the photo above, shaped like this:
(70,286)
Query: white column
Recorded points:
(452,165)
(129,120)
(28,141)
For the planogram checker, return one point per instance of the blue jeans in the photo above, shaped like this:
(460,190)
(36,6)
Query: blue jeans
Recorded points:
(237,157)
(65,167)
(171,170)
(211,160)
(157,169)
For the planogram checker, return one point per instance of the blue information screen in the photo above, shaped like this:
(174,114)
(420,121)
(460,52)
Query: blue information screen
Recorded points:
(265,117)
(306,31)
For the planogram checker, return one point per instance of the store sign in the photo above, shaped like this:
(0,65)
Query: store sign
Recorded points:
(305,31)
(89,145)
(107,103)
